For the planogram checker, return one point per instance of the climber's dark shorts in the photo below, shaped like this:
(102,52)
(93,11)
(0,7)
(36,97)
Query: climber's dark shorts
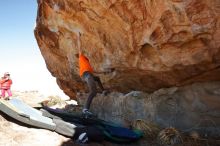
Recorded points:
(91,80)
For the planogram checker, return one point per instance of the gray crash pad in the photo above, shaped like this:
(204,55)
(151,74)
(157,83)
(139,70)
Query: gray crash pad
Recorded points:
(22,112)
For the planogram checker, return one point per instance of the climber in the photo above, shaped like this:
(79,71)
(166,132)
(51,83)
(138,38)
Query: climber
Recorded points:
(6,82)
(86,72)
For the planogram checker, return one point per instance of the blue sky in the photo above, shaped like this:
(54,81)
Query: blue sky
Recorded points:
(17,18)
(19,53)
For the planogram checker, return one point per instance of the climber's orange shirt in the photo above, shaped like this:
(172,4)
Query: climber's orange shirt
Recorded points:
(84,65)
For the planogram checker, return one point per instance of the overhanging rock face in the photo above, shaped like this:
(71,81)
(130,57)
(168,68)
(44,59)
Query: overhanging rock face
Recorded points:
(150,43)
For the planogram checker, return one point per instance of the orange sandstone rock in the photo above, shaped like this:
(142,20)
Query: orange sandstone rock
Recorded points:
(150,43)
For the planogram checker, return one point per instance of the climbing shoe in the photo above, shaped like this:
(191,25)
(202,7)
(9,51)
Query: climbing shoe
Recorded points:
(105,92)
(87,114)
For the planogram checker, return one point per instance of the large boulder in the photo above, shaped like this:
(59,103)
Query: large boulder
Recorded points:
(150,43)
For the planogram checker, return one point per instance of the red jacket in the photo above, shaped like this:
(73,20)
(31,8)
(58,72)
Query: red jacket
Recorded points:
(5,83)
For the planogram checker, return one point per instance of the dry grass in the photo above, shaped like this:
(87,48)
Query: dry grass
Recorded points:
(54,101)
(169,136)
(150,129)
(73,108)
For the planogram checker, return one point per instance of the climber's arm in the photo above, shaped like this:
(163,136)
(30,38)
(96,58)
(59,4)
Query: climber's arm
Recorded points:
(79,43)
